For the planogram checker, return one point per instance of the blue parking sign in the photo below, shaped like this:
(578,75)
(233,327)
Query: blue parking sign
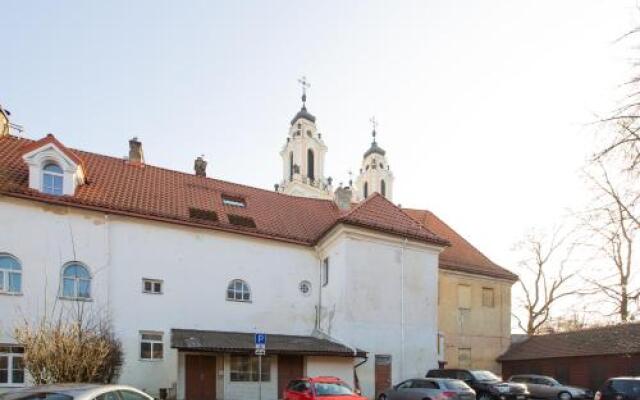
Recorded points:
(261,340)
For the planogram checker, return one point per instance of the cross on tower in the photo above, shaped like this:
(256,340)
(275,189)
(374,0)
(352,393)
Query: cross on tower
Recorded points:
(374,124)
(305,85)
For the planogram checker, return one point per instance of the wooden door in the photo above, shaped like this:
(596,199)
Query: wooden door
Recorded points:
(289,368)
(382,373)
(200,377)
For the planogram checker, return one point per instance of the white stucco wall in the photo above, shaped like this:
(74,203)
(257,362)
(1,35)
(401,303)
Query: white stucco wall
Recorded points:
(361,305)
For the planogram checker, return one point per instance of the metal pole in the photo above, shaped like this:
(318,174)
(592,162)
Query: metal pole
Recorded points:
(259,377)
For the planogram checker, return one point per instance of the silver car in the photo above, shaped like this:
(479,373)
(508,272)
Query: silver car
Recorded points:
(545,387)
(432,388)
(77,391)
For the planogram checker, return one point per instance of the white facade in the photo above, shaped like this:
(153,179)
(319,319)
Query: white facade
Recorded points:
(380,297)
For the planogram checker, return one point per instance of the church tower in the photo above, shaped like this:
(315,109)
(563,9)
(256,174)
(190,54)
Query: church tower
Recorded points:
(303,156)
(375,174)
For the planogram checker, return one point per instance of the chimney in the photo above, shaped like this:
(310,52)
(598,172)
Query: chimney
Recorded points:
(200,166)
(136,156)
(343,197)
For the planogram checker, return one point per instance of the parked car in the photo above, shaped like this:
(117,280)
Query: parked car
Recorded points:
(486,384)
(432,388)
(545,387)
(321,387)
(77,391)
(623,388)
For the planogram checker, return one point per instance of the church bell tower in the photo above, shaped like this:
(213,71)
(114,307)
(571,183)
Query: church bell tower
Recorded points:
(375,174)
(303,156)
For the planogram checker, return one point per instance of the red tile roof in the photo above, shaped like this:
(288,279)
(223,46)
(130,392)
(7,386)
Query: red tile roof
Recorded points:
(461,255)
(115,186)
(607,340)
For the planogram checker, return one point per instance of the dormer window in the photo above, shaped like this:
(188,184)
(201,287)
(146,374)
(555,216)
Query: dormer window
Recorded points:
(52,179)
(53,168)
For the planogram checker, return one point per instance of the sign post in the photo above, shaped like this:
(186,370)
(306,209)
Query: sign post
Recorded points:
(261,350)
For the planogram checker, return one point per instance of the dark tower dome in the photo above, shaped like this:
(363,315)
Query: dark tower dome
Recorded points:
(374,149)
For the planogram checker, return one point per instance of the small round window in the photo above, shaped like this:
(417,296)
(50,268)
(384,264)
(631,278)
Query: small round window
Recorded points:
(305,288)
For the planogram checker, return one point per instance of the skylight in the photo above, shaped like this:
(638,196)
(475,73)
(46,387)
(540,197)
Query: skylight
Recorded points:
(233,201)
(203,215)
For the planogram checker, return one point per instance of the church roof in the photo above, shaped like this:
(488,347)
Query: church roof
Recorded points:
(115,186)
(461,255)
(374,149)
(304,114)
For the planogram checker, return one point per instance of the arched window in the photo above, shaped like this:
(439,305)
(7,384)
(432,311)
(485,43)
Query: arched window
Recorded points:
(310,165)
(76,281)
(291,166)
(52,179)
(10,274)
(366,190)
(383,188)
(238,290)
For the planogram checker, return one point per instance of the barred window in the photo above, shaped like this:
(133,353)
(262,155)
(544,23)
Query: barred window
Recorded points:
(245,368)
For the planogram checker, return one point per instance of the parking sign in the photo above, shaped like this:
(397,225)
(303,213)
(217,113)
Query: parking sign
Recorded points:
(261,340)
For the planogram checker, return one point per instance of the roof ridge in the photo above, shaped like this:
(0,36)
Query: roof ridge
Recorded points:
(585,330)
(462,237)
(146,165)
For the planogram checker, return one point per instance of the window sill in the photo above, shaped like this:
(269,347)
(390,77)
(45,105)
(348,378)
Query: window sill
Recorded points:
(17,294)
(153,293)
(12,385)
(239,301)
(151,360)
(83,299)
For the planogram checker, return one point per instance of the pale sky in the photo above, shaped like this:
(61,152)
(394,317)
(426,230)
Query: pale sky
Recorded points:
(484,106)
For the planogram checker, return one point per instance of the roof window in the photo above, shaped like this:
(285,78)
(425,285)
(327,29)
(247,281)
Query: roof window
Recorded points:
(203,215)
(241,220)
(233,201)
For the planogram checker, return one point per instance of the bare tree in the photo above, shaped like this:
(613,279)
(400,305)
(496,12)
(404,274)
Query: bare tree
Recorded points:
(613,225)
(544,277)
(69,346)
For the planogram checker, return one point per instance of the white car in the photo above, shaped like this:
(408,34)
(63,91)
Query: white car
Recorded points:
(77,391)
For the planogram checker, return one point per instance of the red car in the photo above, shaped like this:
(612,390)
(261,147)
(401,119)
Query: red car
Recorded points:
(321,387)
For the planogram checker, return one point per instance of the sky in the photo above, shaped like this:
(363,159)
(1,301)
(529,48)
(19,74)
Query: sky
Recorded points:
(486,108)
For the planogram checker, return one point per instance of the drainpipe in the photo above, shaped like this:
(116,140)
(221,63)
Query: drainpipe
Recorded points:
(356,380)
(402,334)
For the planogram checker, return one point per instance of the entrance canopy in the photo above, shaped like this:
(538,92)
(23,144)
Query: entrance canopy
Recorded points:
(242,342)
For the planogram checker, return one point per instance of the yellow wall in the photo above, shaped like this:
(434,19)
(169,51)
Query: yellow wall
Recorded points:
(482,329)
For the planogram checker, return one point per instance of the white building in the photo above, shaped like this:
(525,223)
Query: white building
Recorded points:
(188,268)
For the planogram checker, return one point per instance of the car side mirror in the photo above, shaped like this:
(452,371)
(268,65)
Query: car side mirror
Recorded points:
(358,392)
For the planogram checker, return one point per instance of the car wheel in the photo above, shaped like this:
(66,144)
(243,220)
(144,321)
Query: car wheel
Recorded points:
(484,396)
(564,396)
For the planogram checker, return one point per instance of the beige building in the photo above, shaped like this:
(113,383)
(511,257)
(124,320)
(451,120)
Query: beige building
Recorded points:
(474,302)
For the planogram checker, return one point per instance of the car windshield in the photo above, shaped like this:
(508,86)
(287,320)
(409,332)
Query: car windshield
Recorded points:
(552,381)
(35,396)
(455,384)
(628,387)
(484,376)
(332,389)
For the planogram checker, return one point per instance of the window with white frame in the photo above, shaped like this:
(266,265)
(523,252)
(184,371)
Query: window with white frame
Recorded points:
(76,282)
(10,275)
(151,346)
(52,179)
(244,368)
(11,365)
(238,290)
(325,272)
(152,286)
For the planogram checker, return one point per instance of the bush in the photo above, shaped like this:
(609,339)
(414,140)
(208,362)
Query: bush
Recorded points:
(70,352)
